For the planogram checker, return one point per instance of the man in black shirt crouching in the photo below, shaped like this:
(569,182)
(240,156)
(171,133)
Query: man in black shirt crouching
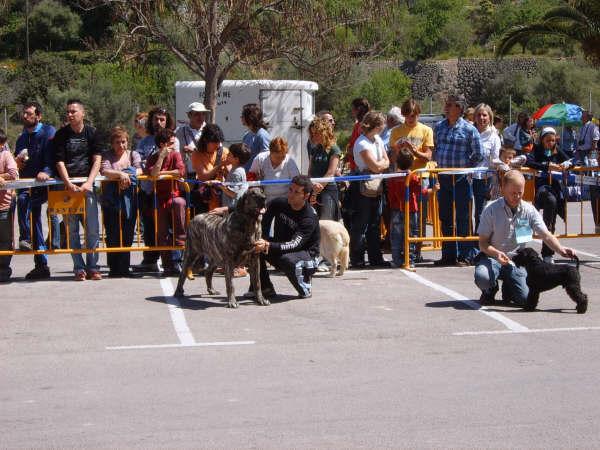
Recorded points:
(294,247)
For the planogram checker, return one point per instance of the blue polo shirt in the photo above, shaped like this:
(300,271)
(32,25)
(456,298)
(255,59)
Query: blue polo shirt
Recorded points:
(457,145)
(39,150)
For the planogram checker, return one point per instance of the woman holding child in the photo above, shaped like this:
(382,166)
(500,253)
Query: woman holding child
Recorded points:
(209,161)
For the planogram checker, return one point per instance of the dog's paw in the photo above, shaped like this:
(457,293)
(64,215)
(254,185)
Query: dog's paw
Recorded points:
(190,275)
(232,304)
(178,293)
(530,306)
(213,292)
(263,301)
(582,306)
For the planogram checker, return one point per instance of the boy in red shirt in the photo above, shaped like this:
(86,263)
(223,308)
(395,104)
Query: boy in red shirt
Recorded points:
(396,196)
(167,161)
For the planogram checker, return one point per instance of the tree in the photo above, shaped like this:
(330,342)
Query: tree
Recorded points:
(53,26)
(212,37)
(577,20)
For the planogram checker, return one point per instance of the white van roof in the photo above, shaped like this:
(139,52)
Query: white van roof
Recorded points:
(310,86)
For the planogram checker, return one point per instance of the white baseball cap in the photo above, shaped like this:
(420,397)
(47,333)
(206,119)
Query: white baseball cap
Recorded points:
(547,130)
(197,107)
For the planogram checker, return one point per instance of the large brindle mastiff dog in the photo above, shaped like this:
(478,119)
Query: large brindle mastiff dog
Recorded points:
(228,242)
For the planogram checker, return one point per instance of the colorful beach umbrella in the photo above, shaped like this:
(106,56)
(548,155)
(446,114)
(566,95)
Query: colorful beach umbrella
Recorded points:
(558,114)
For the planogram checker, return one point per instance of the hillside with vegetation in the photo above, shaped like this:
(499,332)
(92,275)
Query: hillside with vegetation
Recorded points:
(51,50)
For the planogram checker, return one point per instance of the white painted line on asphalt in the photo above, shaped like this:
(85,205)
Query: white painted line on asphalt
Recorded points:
(508,323)
(177,316)
(195,344)
(538,330)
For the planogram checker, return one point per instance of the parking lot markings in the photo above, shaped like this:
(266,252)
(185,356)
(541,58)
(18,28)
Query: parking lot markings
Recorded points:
(508,323)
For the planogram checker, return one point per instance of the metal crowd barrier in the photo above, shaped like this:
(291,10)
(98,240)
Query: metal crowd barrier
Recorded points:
(576,175)
(64,203)
(430,216)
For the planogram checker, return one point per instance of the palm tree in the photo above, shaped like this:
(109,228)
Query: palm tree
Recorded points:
(578,20)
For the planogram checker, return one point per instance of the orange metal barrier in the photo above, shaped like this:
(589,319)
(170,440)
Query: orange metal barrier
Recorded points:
(437,238)
(62,202)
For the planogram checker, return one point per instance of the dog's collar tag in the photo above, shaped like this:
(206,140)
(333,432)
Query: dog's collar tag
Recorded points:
(523,233)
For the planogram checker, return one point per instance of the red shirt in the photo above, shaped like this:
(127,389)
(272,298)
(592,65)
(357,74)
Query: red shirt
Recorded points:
(396,188)
(166,188)
(356,132)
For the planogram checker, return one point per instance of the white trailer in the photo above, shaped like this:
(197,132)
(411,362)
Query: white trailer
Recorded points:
(288,107)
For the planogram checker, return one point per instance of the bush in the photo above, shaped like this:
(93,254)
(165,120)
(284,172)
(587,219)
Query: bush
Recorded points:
(383,88)
(45,71)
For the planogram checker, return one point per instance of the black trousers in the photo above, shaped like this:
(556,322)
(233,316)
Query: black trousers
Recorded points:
(298,267)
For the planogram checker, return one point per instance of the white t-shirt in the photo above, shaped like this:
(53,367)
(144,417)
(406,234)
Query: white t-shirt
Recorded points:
(363,144)
(490,144)
(264,170)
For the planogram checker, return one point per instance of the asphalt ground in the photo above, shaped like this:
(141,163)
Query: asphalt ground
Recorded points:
(375,359)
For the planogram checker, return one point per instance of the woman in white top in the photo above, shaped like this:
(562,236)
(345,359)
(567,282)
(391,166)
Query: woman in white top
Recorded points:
(370,157)
(274,165)
(490,144)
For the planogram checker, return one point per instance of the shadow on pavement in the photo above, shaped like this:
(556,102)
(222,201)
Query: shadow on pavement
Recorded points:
(449,304)
(202,302)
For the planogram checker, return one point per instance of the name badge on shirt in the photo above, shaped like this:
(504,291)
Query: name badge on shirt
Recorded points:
(523,233)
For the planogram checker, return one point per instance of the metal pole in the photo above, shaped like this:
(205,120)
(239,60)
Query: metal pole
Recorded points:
(431,105)
(27,28)
(590,100)
(509,109)
(5,121)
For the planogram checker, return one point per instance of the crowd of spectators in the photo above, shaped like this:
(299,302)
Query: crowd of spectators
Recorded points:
(467,137)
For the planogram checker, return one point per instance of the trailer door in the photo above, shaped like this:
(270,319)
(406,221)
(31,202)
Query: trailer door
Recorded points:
(282,112)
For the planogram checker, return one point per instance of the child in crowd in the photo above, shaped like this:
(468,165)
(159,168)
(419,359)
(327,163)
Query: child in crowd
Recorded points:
(396,188)
(238,156)
(507,160)
(8,172)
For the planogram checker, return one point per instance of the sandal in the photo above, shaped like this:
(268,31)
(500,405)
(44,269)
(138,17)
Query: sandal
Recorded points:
(80,275)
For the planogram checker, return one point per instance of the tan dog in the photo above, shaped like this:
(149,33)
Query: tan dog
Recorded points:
(334,246)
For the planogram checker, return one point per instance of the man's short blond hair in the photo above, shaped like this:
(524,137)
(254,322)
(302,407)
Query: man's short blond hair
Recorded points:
(513,176)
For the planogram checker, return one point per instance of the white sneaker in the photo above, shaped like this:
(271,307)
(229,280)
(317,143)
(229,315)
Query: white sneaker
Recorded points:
(549,259)
(323,267)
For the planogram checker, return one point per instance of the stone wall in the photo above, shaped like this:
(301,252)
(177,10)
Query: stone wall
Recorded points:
(468,76)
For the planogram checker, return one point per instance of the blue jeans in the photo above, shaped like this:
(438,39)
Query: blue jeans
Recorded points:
(480,193)
(397,235)
(459,195)
(6,239)
(92,234)
(514,286)
(366,217)
(29,205)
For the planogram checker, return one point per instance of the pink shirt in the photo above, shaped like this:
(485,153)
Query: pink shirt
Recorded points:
(7,165)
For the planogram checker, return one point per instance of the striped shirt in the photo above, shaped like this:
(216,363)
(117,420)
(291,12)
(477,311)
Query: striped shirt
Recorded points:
(457,145)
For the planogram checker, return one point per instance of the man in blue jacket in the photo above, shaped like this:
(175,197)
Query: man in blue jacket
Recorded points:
(35,160)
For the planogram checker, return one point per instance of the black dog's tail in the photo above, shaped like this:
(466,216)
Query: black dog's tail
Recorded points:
(576,259)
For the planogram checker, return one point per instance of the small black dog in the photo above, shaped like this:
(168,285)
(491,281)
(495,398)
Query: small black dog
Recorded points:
(543,276)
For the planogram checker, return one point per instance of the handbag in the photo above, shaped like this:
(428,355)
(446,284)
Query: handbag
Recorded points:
(371,188)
